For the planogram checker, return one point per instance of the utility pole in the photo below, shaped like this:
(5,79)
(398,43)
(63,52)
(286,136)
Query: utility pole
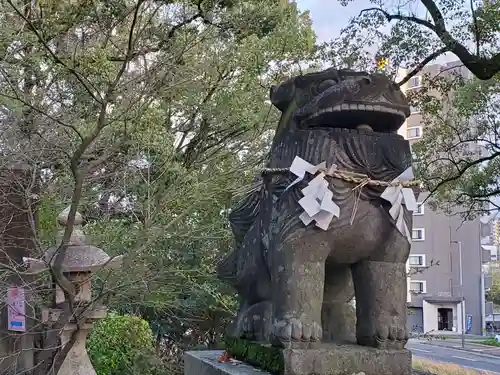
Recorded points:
(462,300)
(483,296)
(497,238)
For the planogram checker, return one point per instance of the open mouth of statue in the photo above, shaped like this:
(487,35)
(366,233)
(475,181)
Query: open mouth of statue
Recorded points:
(377,117)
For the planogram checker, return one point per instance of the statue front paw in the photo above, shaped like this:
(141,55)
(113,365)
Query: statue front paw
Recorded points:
(254,322)
(295,330)
(390,337)
(398,337)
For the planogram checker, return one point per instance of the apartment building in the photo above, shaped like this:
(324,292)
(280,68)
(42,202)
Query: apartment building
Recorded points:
(446,261)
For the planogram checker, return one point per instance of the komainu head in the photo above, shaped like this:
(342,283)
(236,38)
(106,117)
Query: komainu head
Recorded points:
(340,99)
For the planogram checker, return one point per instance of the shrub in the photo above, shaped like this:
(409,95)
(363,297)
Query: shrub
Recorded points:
(491,341)
(117,342)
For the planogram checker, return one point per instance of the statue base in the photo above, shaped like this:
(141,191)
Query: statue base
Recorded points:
(301,359)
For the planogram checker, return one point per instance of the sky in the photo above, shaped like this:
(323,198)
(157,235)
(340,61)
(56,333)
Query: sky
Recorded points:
(329,16)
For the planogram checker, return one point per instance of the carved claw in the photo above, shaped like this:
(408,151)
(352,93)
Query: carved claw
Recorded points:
(295,330)
(247,328)
(398,337)
(254,322)
(392,337)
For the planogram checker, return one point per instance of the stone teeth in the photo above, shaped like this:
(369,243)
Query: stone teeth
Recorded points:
(356,107)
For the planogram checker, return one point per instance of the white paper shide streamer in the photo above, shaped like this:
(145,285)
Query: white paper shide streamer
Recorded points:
(399,196)
(317,201)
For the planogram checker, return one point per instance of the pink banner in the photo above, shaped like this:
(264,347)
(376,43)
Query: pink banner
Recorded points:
(16,309)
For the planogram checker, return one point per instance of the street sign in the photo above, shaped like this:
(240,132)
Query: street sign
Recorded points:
(16,309)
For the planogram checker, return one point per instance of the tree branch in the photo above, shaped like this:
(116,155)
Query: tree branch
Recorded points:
(43,113)
(153,49)
(476,27)
(422,64)
(78,177)
(400,17)
(88,87)
(461,171)
(483,68)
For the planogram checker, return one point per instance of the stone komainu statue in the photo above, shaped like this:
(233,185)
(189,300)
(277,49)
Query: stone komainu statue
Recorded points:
(296,282)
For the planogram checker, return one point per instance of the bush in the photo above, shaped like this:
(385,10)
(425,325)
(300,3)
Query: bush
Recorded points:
(118,343)
(491,341)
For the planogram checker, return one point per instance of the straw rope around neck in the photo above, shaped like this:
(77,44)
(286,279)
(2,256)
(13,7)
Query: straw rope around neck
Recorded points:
(359,179)
(353,177)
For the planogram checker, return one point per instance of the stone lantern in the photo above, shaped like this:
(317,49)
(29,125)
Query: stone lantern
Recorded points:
(81,261)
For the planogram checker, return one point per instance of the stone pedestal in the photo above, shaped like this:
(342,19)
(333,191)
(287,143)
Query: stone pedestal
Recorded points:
(324,359)
(77,362)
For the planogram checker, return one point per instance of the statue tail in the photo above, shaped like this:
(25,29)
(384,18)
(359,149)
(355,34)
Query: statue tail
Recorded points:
(227,268)
(244,214)
(241,218)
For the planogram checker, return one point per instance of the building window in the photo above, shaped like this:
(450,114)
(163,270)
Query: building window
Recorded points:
(414,132)
(417,260)
(415,81)
(419,210)
(417,286)
(418,234)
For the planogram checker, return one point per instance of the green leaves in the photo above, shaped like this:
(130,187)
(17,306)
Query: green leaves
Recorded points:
(411,33)
(494,294)
(161,109)
(458,155)
(486,23)
(116,342)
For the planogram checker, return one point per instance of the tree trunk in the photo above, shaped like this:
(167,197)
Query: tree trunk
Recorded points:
(17,240)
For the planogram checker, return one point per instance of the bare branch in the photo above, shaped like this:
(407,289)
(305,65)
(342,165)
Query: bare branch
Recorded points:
(483,68)
(460,171)
(44,113)
(476,27)
(400,17)
(162,44)
(86,84)
(422,64)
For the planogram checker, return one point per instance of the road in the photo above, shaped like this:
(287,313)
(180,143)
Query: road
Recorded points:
(449,354)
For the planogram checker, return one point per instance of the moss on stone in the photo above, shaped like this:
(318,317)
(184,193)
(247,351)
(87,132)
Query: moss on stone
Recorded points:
(264,357)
